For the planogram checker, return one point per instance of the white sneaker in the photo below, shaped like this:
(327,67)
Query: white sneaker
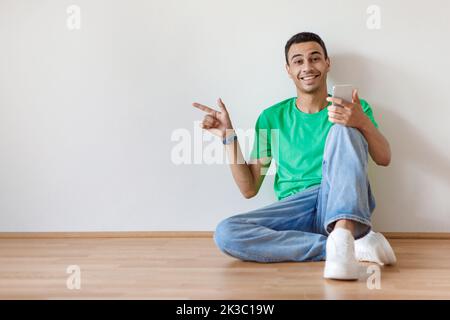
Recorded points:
(374,247)
(341,263)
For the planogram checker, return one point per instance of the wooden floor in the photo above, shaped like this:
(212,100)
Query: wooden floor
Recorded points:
(193,268)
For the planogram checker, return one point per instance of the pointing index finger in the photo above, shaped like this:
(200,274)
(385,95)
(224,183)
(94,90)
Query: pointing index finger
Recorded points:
(204,108)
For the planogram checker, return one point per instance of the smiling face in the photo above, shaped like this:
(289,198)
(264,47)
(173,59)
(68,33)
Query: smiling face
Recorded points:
(308,67)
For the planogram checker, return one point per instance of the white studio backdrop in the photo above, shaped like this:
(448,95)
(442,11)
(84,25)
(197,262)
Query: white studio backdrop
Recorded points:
(95,95)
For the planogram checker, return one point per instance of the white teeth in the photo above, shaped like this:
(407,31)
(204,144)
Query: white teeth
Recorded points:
(309,78)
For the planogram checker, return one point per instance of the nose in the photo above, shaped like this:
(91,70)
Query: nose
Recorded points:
(307,67)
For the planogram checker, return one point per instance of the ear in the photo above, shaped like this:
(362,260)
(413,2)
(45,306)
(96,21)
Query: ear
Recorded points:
(328,61)
(288,69)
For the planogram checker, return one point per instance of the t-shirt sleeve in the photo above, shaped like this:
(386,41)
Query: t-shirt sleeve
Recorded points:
(262,142)
(368,111)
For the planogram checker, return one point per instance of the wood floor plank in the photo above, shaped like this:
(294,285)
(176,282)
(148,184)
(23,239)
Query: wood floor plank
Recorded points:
(193,268)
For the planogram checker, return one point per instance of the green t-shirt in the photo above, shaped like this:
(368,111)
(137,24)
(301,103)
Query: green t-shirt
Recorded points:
(295,141)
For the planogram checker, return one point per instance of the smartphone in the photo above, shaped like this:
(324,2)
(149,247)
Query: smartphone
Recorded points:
(343,91)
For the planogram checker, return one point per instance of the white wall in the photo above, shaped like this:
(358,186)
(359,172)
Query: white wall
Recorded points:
(86,116)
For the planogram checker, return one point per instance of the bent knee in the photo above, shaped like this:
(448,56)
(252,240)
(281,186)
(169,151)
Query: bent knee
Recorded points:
(226,233)
(222,233)
(353,132)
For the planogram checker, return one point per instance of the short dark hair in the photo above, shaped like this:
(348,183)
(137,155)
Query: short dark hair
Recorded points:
(304,37)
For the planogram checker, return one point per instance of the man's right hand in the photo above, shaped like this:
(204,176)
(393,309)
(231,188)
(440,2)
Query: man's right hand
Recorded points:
(248,176)
(216,122)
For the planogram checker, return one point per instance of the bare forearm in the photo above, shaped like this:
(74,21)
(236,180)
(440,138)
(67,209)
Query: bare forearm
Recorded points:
(379,148)
(240,170)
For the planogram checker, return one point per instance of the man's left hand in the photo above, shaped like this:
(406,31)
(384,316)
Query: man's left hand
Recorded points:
(349,114)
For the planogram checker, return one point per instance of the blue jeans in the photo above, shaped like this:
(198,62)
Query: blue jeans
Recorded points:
(296,227)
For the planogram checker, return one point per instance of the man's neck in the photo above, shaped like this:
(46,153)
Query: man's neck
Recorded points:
(312,103)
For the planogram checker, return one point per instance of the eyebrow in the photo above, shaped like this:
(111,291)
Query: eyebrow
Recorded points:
(300,55)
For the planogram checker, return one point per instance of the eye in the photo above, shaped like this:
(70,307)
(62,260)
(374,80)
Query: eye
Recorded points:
(316,59)
(298,62)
